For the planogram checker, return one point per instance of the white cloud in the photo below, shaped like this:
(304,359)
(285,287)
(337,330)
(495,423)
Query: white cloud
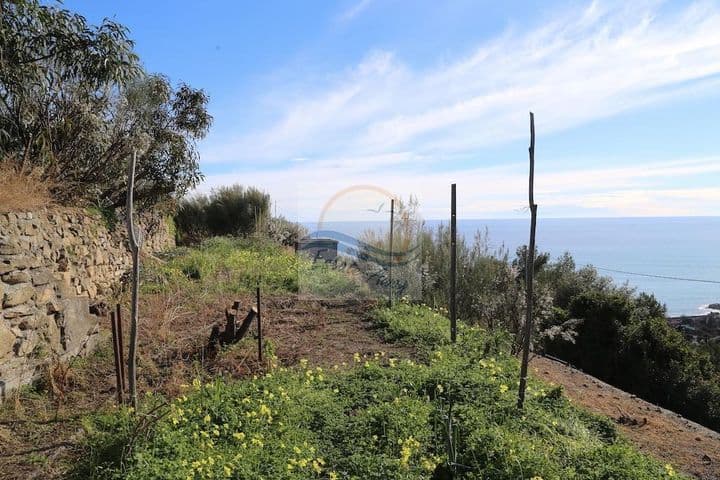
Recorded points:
(639,190)
(586,64)
(355,10)
(384,123)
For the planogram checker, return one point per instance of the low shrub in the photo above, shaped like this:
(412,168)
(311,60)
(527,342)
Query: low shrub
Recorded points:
(231,210)
(230,265)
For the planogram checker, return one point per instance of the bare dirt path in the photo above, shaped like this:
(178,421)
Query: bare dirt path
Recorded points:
(661,433)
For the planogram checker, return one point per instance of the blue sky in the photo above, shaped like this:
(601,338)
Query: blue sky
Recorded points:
(405,97)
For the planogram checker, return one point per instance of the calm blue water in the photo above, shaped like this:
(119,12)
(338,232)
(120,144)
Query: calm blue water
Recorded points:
(668,246)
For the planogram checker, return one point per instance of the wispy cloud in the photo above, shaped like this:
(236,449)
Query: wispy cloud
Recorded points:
(384,123)
(586,64)
(355,10)
(500,191)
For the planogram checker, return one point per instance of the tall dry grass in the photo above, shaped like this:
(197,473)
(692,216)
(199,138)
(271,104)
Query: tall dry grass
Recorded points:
(22,190)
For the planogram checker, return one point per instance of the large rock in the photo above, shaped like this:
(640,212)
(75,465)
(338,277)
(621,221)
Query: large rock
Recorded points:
(7,340)
(79,323)
(15,277)
(18,294)
(17,262)
(28,341)
(23,310)
(41,276)
(45,294)
(10,250)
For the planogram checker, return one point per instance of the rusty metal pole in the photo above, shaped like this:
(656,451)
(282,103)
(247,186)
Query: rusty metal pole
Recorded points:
(116,355)
(121,346)
(453,264)
(259,325)
(390,265)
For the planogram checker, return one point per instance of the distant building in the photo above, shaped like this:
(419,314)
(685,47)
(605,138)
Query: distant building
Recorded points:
(325,249)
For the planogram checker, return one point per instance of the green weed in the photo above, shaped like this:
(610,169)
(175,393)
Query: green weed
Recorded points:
(381,418)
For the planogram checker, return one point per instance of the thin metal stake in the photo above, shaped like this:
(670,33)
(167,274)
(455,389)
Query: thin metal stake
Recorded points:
(392,227)
(453,264)
(116,354)
(120,344)
(259,325)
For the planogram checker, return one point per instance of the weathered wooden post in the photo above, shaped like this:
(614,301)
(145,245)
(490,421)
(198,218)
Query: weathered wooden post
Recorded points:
(392,228)
(135,243)
(453,264)
(529,267)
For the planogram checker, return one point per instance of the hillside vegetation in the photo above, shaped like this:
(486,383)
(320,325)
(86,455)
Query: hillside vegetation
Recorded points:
(379,418)
(236,265)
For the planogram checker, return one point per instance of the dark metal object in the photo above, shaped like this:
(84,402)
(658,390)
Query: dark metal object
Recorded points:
(118,361)
(259,326)
(118,315)
(529,267)
(390,263)
(453,264)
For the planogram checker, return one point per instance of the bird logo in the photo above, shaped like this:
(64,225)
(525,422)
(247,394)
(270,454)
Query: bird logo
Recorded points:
(375,210)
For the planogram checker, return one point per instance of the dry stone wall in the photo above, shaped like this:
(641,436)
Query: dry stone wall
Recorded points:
(56,267)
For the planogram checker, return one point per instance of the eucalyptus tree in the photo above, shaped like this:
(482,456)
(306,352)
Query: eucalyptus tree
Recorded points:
(75,103)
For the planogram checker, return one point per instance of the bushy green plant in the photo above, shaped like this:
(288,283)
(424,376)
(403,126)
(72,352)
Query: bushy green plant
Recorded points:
(231,210)
(282,231)
(625,340)
(380,418)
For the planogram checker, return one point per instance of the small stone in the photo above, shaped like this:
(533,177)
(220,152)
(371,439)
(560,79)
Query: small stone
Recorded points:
(15,277)
(27,343)
(5,268)
(52,333)
(7,340)
(54,306)
(41,276)
(10,250)
(17,262)
(23,310)
(44,294)
(18,294)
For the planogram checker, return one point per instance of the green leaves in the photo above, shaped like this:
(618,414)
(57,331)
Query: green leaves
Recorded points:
(381,418)
(75,102)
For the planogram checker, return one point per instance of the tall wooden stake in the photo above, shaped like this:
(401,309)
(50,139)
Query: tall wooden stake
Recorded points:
(529,267)
(453,264)
(392,228)
(134,242)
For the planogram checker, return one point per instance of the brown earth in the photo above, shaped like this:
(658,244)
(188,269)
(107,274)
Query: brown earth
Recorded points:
(41,430)
(661,433)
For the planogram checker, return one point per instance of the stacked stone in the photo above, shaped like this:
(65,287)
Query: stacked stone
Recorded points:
(53,265)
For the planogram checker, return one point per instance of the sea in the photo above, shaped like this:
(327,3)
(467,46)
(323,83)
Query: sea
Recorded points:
(675,258)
